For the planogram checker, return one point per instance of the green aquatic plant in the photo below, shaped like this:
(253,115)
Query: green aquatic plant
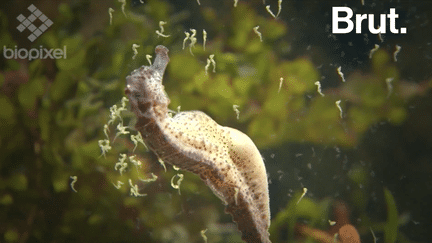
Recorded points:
(315,220)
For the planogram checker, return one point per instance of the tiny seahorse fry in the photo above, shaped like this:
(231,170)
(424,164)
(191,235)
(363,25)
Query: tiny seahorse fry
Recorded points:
(226,159)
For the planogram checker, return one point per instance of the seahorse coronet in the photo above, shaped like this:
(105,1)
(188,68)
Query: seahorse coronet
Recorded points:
(226,159)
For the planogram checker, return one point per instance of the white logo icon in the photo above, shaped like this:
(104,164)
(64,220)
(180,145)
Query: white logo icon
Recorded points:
(27,23)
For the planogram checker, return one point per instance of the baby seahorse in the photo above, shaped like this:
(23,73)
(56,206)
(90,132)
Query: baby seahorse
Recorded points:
(226,159)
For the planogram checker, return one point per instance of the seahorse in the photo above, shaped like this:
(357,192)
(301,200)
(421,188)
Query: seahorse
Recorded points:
(225,159)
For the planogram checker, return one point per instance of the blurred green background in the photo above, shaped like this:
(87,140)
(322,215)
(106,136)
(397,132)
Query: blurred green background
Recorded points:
(369,165)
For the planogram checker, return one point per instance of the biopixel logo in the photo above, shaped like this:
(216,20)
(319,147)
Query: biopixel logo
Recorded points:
(27,23)
(34,53)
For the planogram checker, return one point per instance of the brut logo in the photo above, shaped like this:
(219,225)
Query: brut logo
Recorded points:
(336,19)
(27,23)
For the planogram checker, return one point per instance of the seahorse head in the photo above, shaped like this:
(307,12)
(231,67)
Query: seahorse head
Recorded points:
(145,85)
